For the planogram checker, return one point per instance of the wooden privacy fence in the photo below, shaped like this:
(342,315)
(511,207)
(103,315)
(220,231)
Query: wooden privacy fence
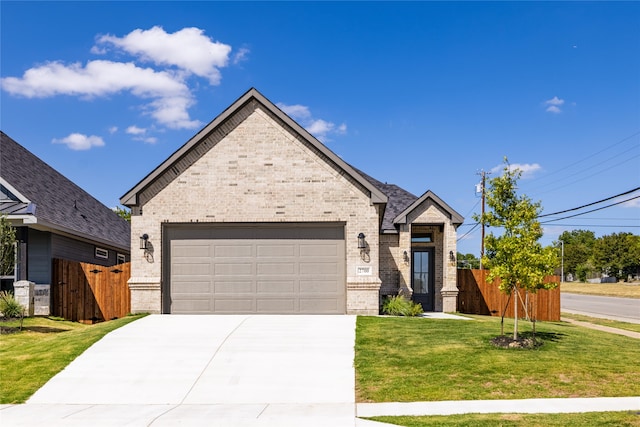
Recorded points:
(476,296)
(90,293)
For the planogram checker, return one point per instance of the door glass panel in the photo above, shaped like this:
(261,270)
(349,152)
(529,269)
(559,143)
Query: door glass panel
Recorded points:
(421,272)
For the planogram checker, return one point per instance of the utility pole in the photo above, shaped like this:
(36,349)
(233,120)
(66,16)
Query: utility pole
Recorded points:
(483,175)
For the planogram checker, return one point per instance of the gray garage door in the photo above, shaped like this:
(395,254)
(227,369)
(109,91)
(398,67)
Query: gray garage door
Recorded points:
(256,269)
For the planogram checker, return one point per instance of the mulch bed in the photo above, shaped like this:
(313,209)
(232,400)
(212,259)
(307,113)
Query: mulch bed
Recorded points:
(523,342)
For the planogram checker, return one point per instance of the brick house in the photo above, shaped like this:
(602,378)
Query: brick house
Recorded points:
(255,215)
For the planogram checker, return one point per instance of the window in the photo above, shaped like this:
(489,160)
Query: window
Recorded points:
(102,253)
(422,238)
(121,258)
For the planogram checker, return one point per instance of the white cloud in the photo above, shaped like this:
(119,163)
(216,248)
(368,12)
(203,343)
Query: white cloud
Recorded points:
(553,105)
(635,203)
(241,55)
(297,112)
(78,141)
(113,129)
(188,49)
(102,78)
(319,128)
(135,130)
(527,169)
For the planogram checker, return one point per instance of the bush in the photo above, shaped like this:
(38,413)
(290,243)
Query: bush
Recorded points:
(400,306)
(9,307)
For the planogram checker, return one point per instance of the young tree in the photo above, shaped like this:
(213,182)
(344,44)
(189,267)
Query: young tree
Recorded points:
(7,247)
(517,257)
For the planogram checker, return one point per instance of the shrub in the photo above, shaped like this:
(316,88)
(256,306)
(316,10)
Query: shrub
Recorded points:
(400,306)
(9,307)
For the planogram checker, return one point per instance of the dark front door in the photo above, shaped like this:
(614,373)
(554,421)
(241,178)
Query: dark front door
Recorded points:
(422,277)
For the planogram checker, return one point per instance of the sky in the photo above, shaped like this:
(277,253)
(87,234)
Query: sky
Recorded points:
(424,95)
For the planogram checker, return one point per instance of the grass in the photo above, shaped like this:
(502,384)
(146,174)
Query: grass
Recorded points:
(409,359)
(42,349)
(621,289)
(634,327)
(617,419)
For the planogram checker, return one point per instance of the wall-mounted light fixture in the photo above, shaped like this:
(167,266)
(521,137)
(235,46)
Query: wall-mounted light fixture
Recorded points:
(452,257)
(361,242)
(144,241)
(405,256)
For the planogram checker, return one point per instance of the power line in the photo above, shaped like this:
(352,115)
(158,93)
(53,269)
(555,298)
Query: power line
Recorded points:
(592,210)
(584,159)
(597,225)
(591,204)
(468,232)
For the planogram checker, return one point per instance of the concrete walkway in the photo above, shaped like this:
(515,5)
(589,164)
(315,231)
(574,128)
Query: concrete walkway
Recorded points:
(522,406)
(626,333)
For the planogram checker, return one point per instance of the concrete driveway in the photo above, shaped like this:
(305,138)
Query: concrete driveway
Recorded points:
(206,370)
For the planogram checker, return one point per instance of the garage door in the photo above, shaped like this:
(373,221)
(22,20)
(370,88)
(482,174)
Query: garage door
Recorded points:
(256,269)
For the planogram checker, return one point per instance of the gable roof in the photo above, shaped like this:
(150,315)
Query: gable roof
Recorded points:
(402,202)
(455,217)
(36,193)
(217,129)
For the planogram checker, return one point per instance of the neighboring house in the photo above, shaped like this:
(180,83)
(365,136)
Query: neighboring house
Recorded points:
(255,215)
(54,218)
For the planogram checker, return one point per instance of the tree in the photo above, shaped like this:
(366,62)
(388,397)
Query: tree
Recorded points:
(123,213)
(467,261)
(516,257)
(617,255)
(7,247)
(578,248)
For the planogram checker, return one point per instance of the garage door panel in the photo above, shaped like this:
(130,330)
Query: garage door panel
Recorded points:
(276,268)
(280,305)
(275,251)
(192,287)
(188,250)
(319,305)
(321,268)
(319,287)
(281,269)
(236,305)
(319,250)
(231,251)
(233,269)
(188,270)
(233,288)
(197,306)
(275,287)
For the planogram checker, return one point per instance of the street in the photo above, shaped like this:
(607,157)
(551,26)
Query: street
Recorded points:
(622,309)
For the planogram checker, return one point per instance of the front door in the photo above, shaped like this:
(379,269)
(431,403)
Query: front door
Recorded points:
(422,277)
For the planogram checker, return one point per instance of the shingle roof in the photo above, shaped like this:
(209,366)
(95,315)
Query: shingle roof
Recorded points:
(58,202)
(398,200)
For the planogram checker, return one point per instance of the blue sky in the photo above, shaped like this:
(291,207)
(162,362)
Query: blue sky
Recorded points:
(420,94)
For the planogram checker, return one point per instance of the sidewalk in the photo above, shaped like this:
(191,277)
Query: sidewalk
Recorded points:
(523,406)
(609,329)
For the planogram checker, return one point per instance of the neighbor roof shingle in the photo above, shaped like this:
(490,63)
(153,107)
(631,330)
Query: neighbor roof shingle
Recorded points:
(59,203)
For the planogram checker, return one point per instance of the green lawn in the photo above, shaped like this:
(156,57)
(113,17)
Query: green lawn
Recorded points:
(44,347)
(613,419)
(416,359)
